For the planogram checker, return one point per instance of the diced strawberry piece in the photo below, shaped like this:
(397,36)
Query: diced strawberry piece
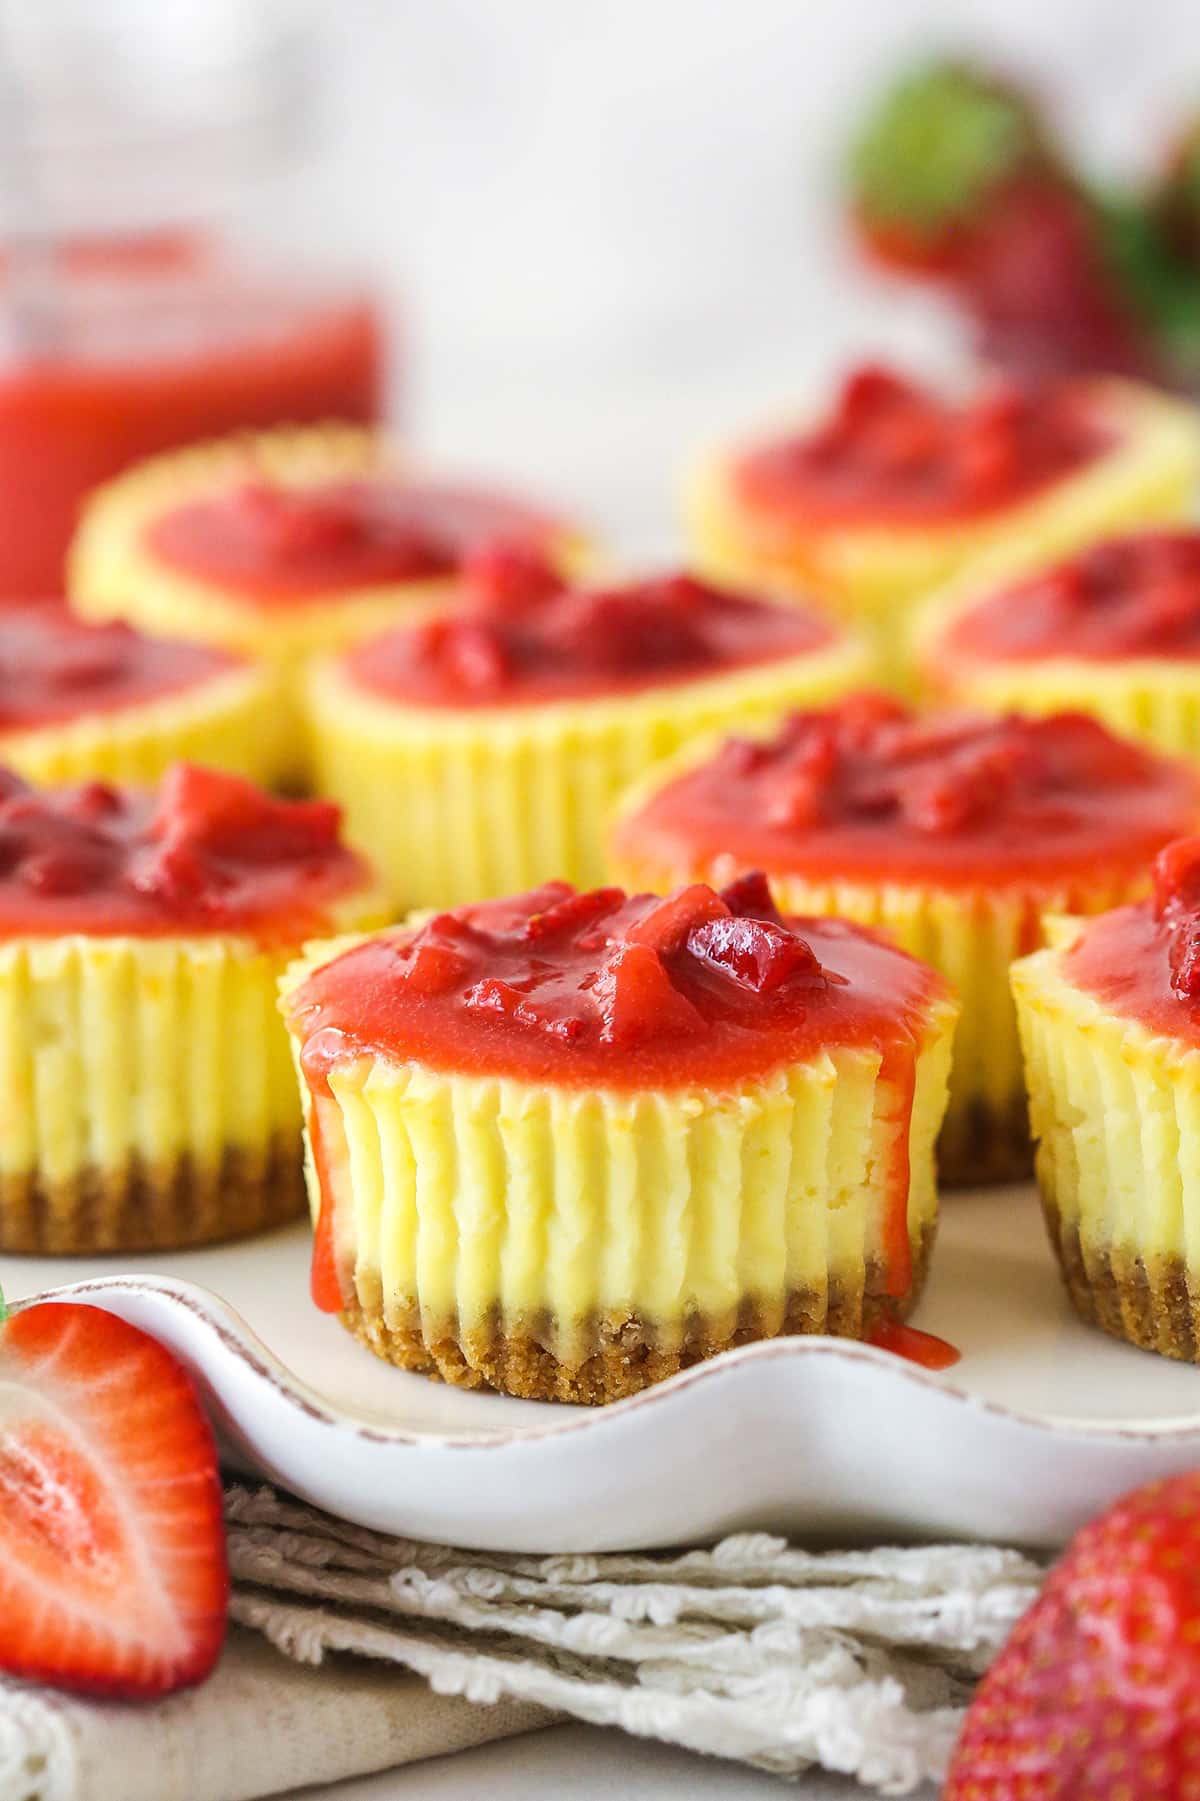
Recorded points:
(665,924)
(93,801)
(795,801)
(428,968)
(59,869)
(516,1003)
(477,654)
(512,573)
(753,952)
(1177,876)
(112,1553)
(1096,1696)
(749,897)
(870,389)
(1184,959)
(574,913)
(638,1001)
(211,808)
(297,522)
(1075,748)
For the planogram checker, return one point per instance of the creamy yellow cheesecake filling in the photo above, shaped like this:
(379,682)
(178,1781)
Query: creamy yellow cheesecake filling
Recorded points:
(456,805)
(225,722)
(475,1205)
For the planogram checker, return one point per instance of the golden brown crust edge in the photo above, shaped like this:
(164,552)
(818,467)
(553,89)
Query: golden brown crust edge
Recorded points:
(627,1358)
(983,1144)
(1154,1305)
(138,1209)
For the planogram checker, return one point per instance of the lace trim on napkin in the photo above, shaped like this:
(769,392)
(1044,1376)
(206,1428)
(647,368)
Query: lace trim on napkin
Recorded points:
(859,1661)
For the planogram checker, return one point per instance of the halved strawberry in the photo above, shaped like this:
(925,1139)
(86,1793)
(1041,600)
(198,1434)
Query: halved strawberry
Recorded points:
(113,1575)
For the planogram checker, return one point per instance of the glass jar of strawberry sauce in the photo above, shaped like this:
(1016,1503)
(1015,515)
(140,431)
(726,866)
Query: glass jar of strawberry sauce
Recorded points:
(142,152)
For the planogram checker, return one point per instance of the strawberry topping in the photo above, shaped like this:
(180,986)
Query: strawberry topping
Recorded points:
(112,1553)
(526,635)
(270,543)
(209,852)
(55,668)
(895,452)
(1143,961)
(628,990)
(1134,596)
(868,788)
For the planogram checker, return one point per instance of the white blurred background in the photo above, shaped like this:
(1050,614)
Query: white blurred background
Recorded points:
(614,223)
(610,226)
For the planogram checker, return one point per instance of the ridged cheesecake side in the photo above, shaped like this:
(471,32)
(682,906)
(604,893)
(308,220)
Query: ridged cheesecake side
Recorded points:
(1116,1112)
(462,804)
(147,1099)
(226,722)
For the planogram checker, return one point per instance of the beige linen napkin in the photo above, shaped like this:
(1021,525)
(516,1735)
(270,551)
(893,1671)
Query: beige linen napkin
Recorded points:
(260,1726)
(858,1661)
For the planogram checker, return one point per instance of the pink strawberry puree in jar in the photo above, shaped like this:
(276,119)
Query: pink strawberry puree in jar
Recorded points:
(133,161)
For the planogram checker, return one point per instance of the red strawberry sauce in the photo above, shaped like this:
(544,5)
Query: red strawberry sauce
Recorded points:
(896,453)
(269,544)
(922,1348)
(1134,596)
(625,992)
(1143,961)
(526,636)
(208,852)
(867,790)
(54,668)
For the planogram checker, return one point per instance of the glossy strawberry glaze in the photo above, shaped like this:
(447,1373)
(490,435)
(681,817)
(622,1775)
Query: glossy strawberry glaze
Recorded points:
(867,790)
(894,453)
(1143,961)
(272,545)
(525,636)
(625,993)
(922,1348)
(1134,596)
(208,853)
(54,668)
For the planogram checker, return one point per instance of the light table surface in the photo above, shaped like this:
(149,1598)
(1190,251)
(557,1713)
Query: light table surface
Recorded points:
(582,1763)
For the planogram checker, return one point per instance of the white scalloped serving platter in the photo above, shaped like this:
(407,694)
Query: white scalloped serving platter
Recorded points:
(1039,1425)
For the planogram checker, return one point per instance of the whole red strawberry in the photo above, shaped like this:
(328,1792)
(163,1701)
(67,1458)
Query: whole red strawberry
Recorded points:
(113,1576)
(932,157)
(1036,279)
(1096,1696)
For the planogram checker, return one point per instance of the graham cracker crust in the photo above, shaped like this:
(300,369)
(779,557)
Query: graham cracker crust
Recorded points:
(982,1143)
(138,1209)
(1154,1305)
(627,1356)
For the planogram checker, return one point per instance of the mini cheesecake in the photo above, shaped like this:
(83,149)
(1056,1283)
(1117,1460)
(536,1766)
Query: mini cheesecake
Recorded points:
(955,833)
(569,1143)
(900,488)
(146,1094)
(287,543)
(79,700)
(1110,1025)
(1113,630)
(481,751)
